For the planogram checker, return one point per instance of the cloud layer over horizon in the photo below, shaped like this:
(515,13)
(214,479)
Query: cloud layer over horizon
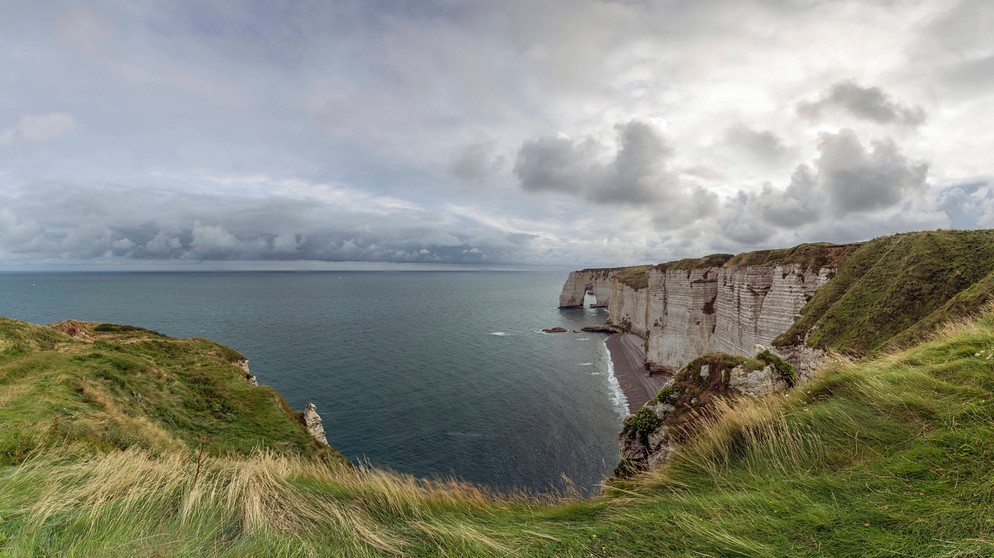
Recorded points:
(570,133)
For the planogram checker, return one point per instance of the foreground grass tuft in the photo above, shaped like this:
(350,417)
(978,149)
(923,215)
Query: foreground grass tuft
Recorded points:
(876,458)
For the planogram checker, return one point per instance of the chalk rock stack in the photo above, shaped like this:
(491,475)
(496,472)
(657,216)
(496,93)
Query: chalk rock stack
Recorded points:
(312,420)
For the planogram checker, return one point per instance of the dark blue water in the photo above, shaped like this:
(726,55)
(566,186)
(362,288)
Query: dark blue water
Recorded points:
(431,373)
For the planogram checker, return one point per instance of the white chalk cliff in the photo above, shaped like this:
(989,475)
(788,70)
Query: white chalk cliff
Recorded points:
(686,312)
(587,281)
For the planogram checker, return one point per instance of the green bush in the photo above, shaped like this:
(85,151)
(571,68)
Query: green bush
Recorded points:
(669,394)
(640,425)
(784,368)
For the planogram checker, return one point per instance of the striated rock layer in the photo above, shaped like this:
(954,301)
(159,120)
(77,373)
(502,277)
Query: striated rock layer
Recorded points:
(686,312)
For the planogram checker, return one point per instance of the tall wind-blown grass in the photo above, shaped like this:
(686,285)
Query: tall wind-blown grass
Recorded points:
(130,503)
(889,457)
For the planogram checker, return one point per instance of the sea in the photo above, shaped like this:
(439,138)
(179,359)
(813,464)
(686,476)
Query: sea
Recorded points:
(439,374)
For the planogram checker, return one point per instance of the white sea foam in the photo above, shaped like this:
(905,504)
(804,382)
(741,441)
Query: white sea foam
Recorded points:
(456,434)
(499,333)
(586,364)
(617,396)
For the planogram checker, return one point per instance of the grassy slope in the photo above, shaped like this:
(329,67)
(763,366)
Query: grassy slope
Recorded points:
(133,388)
(898,289)
(880,458)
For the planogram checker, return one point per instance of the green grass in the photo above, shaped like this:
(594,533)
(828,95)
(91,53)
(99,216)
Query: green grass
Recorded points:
(127,387)
(808,256)
(898,288)
(634,277)
(885,457)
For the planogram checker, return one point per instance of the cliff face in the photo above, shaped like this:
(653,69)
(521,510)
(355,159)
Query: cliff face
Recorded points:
(701,319)
(629,308)
(683,313)
(594,281)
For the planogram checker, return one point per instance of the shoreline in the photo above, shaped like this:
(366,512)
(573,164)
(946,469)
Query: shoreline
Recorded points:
(628,359)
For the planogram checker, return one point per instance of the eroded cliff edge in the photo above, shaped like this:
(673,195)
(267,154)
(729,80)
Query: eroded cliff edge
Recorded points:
(719,303)
(725,326)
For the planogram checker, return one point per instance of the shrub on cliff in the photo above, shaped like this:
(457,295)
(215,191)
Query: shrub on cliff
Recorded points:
(783,368)
(640,425)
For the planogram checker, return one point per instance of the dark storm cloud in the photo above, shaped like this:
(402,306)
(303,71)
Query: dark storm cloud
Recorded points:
(49,220)
(868,103)
(637,175)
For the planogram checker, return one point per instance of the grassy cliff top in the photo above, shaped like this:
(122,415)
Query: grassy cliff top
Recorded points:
(808,256)
(898,289)
(885,457)
(110,387)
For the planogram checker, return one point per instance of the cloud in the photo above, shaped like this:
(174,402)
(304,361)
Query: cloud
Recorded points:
(41,127)
(637,175)
(212,240)
(739,225)
(765,145)
(74,222)
(476,162)
(867,103)
(557,164)
(796,205)
(857,180)
(968,205)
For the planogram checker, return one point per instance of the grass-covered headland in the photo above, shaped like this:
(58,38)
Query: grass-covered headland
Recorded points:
(101,437)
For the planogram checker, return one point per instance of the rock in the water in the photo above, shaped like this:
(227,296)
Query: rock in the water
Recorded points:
(555,330)
(312,420)
(606,328)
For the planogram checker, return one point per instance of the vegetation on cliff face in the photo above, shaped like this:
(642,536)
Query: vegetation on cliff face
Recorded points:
(884,457)
(897,289)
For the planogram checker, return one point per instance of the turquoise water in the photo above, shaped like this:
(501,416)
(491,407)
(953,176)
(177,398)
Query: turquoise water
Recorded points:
(430,373)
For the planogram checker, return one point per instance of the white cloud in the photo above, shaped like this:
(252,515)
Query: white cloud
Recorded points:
(36,128)
(212,239)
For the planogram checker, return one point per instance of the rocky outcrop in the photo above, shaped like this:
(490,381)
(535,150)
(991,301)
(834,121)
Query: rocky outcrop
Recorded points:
(722,307)
(593,281)
(315,427)
(73,329)
(655,432)
(249,377)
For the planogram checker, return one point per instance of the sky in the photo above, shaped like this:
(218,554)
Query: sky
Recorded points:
(569,133)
